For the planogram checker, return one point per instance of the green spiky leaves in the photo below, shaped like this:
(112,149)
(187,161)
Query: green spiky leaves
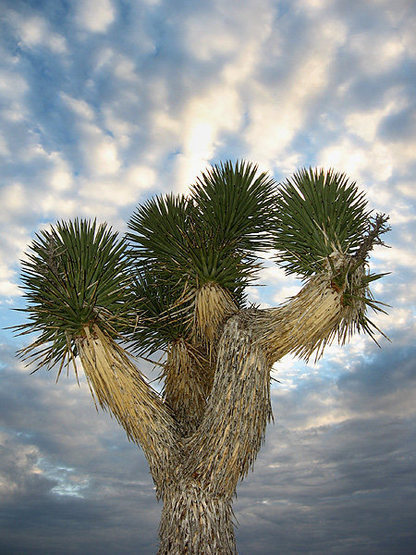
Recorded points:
(75,275)
(235,202)
(317,213)
(211,236)
(162,314)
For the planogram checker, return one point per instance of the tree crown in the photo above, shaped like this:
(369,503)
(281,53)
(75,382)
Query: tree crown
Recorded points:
(147,287)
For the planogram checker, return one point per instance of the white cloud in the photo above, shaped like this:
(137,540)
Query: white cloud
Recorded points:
(14,241)
(104,196)
(98,149)
(407,188)
(101,154)
(140,177)
(376,161)
(8,286)
(364,123)
(80,107)
(230,32)
(284,293)
(397,256)
(375,52)
(12,200)
(35,31)
(219,41)
(279,113)
(12,84)
(95,15)
(125,69)
(205,117)
(4,148)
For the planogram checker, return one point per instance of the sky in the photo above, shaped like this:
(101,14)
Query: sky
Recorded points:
(104,103)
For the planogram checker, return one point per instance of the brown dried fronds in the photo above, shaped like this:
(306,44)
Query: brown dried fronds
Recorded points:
(213,305)
(188,381)
(376,227)
(117,386)
(232,430)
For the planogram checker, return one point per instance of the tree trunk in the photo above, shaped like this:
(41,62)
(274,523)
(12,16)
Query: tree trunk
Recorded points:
(196,521)
(197,515)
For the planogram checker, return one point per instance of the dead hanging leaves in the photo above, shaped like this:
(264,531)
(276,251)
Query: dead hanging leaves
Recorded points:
(317,315)
(188,377)
(117,386)
(213,305)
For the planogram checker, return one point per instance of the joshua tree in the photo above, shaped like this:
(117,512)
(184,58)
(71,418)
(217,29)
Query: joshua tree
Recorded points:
(176,284)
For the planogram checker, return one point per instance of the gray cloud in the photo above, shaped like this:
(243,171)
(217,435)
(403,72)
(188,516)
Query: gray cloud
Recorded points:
(336,488)
(69,479)
(400,125)
(340,487)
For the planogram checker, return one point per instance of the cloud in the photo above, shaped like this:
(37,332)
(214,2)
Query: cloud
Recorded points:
(313,474)
(337,449)
(34,32)
(95,15)
(284,98)
(322,491)
(62,465)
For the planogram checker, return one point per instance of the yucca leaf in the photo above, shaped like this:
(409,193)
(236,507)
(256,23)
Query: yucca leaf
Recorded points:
(236,201)
(73,273)
(211,236)
(317,212)
(164,313)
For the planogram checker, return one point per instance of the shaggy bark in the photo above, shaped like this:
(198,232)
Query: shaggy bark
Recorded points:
(197,456)
(197,513)
(119,387)
(238,409)
(195,521)
(188,381)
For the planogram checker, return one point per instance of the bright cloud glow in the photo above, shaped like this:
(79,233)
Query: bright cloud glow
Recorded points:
(95,15)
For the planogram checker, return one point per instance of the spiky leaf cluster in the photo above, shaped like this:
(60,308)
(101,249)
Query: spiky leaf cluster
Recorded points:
(75,274)
(162,315)
(318,213)
(211,236)
(235,203)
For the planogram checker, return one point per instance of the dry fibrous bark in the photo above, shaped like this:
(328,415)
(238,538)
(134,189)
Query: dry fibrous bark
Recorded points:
(188,379)
(118,387)
(213,305)
(310,320)
(195,520)
(204,435)
(238,409)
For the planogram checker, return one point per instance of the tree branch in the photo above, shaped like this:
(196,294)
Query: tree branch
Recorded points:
(120,388)
(304,324)
(188,380)
(376,228)
(226,443)
(232,430)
